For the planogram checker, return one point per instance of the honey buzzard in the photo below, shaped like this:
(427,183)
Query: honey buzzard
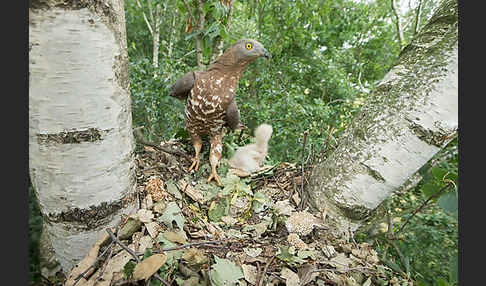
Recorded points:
(210,103)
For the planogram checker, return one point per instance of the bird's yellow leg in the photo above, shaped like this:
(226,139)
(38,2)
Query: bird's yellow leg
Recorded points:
(214,157)
(197,143)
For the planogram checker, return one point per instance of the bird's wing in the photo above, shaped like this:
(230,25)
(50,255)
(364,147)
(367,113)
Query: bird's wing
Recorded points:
(183,85)
(233,116)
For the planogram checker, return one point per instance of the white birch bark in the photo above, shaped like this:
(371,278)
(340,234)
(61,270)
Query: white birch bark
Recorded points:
(408,118)
(79,87)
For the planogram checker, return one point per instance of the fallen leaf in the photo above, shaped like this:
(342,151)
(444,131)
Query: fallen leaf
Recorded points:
(229,220)
(171,188)
(145,216)
(153,228)
(131,226)
(239,173)
(250,273)
(284,207)
(172,213)
(225,272)
(306,274)
(195,256)
(149,266)
(159,207)
(252,252)
(294,240)
(86,261)
(192,192)
(291,278)
(174,237)
(147,203)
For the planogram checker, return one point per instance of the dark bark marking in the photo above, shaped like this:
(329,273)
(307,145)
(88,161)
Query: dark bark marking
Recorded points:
(72,137)
(93,216)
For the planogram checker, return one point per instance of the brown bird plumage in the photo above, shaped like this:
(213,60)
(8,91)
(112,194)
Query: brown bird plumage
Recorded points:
(210,103)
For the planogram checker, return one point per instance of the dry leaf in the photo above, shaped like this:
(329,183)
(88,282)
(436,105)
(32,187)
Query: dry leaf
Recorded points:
(149,266)
(239,173)
(294,240)
(284,207)
(86,262)
(192,192)
(145,216)
(250,273)
(174,237)
(229,220)
(291,278)
(195,256)
(153,229)
(252,252)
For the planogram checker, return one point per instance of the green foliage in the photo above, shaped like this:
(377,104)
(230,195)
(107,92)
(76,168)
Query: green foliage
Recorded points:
(35,228)
(427,249)
(326,56)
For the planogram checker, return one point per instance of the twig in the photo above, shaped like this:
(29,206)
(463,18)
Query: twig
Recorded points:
(302,198)
(140,138)
(262,280)
(189,245)
(423,205)
(133,254)
(258,276)
(81,275)
(343,269)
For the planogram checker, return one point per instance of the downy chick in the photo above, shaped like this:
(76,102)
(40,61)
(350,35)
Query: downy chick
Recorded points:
(250,157)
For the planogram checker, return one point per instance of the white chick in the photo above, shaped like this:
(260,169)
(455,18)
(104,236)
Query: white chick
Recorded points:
(250,157)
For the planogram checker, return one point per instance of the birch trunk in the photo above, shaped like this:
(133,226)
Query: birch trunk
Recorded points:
(409,117)
(81,147)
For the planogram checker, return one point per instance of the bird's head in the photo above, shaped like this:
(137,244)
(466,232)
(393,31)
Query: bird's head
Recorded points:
(246,50)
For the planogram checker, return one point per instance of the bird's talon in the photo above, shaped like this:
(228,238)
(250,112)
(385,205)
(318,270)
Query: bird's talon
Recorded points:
(194,165)
(216,177)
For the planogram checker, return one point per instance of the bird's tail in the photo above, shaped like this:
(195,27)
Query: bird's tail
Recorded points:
(262,134)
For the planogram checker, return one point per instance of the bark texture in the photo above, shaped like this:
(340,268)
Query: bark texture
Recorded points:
(81,148)
(408,118)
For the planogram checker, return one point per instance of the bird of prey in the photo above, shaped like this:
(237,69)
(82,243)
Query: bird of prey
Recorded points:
(250,157)
(210,102)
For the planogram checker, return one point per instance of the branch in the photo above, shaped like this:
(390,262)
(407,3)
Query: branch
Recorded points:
(140,138)
(417,18)
(187,245)
(302,199)
(439,192)
(133,254)
(398,24)
(145,18)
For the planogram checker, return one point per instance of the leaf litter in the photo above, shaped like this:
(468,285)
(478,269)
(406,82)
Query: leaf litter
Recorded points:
(247,232)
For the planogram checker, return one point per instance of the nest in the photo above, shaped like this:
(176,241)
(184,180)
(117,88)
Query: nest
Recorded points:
(254,230)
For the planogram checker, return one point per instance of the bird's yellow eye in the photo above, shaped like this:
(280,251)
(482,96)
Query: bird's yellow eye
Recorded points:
(248,46)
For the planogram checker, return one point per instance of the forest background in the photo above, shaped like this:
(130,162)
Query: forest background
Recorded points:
(326,58)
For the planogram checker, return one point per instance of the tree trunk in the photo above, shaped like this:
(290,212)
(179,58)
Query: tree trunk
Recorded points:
(199,40)
(156,38)
(409,117)
(81,147)
(398,24)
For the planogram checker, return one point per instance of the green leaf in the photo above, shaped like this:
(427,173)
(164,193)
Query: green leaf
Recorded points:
(172,213)
(448,202)
(218,209)
(128,269)
(225,272)
(171,188)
